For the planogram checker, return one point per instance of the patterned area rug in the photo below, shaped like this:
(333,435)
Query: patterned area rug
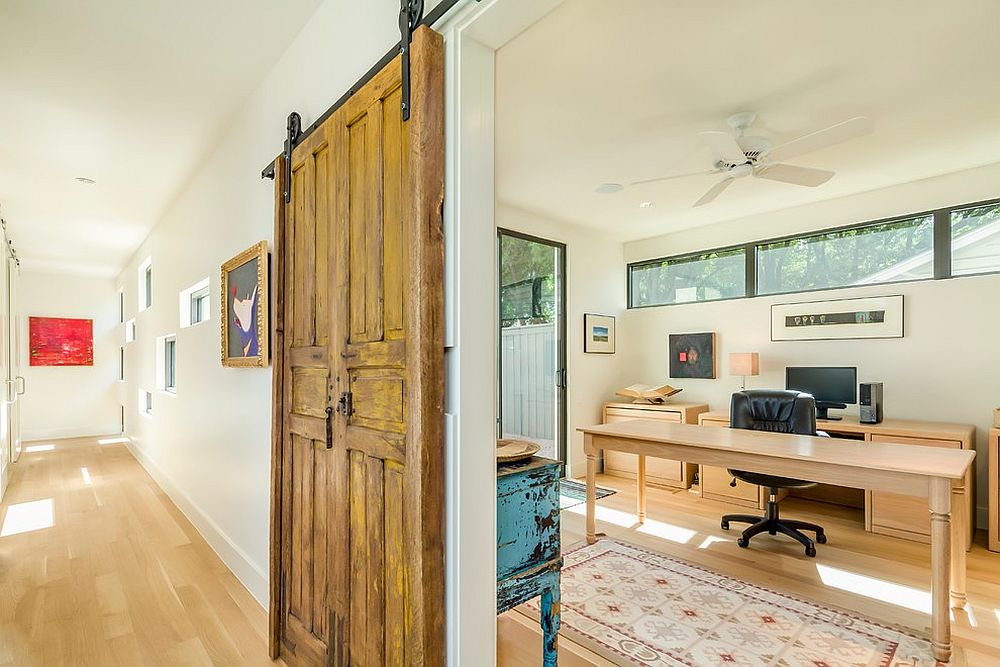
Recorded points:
(637,606)
(573,493)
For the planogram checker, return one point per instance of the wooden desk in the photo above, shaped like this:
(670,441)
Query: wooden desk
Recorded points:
(885,513)
(912,470)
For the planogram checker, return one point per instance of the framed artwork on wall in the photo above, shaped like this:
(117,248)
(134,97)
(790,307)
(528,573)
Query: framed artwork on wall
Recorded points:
(869,317)
(692,355)
(244,287)
(60,341)
(598,334)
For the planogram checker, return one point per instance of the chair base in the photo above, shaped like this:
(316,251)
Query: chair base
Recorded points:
(772,524)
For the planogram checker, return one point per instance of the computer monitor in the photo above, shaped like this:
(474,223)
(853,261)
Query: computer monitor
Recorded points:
(831,386)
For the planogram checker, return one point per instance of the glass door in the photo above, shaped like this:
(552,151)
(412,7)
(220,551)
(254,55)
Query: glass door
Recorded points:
(532,360)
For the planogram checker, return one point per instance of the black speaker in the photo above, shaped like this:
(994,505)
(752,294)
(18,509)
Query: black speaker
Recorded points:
(871,402)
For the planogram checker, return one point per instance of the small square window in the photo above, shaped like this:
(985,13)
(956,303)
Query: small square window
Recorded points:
(170,364)
(146,284)
(195,304)
(146,402)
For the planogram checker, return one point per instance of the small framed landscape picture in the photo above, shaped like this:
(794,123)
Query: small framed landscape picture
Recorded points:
(244,284)
(598,334)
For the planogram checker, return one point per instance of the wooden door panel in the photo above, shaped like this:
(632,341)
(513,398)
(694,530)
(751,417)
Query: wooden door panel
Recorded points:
(362,370)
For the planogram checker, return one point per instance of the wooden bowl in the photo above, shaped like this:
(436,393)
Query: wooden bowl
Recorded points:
(515,450)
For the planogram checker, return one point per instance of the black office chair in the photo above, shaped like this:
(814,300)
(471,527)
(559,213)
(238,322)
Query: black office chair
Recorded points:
(781,412)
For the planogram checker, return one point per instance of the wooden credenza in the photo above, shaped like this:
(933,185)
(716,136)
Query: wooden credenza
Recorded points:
(660,472)
(885,513)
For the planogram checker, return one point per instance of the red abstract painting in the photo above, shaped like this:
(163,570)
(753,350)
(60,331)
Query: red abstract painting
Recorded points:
(60,341)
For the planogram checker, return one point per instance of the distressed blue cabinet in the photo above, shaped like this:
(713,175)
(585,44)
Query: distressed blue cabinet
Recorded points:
(529,556)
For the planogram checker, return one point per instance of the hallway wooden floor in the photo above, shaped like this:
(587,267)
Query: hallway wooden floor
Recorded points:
(98,567)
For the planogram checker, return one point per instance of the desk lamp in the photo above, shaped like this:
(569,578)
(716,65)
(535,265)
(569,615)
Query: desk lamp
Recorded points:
(744,364)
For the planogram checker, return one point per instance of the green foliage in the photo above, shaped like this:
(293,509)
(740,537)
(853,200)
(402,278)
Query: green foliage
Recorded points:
(527,282)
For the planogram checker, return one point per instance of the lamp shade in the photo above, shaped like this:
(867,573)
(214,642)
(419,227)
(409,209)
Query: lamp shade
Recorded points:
(744,363)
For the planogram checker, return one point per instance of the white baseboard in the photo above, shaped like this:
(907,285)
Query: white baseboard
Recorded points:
(253,577)
(70,432)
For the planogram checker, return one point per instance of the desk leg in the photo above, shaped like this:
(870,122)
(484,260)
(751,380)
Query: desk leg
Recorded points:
(588,448)
(640,482)
(550,627)
(941,541)
(959,531)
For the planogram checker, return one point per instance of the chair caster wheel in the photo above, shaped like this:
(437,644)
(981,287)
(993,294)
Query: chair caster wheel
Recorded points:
(725,525)
(821,538)
(811,552)
(743,543)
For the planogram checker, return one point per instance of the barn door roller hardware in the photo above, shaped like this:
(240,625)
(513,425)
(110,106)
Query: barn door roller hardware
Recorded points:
(294,133)
(410,13)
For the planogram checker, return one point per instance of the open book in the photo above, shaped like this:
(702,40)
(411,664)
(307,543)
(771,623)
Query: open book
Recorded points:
(647,393)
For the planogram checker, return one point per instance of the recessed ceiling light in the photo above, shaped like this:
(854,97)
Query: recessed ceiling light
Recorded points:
(85,180)
(610,188)
(646,204)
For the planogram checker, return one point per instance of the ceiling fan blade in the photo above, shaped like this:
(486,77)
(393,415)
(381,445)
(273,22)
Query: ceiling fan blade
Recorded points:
(714,191)
(670,178)
(835,134)
(724,146)
(789,173)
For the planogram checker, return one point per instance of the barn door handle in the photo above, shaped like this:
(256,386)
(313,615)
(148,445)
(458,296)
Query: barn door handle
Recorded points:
(329,427)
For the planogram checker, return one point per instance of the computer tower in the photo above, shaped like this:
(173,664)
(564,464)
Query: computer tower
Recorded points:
(871,402)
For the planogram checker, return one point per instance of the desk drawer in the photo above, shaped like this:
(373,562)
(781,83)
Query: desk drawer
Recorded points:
(899,515)
(658,471)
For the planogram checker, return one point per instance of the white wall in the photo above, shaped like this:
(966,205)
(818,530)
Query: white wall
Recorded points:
(69,401)
(944,369)
(595,269)
(209,447)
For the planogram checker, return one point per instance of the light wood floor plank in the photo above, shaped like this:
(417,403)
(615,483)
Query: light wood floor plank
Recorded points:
(120,577)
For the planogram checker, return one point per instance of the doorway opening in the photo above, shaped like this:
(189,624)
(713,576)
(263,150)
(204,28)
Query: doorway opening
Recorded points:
(531,368)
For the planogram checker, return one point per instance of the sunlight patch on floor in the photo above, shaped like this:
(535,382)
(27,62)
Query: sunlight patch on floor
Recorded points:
(86,475)
(712,539)
(652,527)
(877,589)
(31,449)
(25,517)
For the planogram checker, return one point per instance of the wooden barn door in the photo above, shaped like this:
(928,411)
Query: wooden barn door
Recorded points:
(359,489)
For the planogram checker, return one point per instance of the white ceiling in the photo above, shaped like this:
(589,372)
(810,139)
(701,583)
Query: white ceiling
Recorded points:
(602,91)
(129,94)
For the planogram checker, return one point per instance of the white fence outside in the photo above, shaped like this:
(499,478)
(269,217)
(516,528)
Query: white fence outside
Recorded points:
(528,363)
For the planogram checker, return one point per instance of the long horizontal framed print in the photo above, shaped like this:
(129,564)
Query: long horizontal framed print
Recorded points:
(60,341)
(244,308)
(598,334)
(867,317)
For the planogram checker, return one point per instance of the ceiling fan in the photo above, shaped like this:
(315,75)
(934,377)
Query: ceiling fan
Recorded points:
(738,155)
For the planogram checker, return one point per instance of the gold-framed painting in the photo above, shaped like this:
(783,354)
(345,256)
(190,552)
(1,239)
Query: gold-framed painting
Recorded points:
(244,308)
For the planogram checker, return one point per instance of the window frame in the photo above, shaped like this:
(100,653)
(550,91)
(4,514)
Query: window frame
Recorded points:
(941,249)
(145,286)
(170,364)
(688,256)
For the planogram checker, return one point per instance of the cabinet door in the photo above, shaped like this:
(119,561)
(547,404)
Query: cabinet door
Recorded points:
(664,471)
(715,481)
(896,514)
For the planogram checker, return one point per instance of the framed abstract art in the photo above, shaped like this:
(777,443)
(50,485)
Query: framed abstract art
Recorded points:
(244,287)
(692,355)
(60,341)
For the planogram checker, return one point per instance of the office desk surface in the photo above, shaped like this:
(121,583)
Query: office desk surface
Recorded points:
(801,452)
